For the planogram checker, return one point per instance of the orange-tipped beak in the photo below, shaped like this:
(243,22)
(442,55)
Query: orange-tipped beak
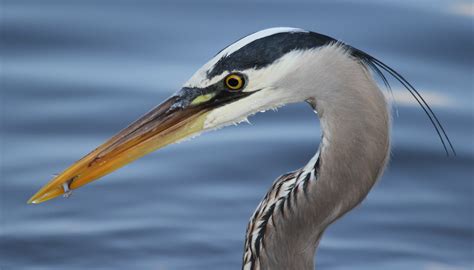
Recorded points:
(164,125)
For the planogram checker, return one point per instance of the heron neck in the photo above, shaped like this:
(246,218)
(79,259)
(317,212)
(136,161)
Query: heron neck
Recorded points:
(299,206)
(353,152)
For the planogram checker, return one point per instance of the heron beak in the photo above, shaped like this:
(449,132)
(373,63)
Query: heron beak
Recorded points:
(166,124)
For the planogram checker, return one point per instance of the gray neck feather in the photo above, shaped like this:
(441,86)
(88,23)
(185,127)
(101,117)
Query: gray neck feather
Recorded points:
(353,152)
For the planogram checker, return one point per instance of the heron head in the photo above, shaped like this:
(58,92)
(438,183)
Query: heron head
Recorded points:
(248,76)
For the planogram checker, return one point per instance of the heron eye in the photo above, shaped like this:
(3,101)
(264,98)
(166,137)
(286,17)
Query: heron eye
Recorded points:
(234,82)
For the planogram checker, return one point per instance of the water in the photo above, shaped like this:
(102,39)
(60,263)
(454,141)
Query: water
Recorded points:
(74,73)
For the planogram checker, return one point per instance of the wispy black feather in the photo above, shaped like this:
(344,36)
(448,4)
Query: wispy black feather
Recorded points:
(377,66)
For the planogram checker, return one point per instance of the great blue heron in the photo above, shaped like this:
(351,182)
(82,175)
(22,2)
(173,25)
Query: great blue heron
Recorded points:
(265,70)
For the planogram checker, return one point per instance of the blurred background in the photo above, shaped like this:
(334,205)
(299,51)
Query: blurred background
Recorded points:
(75,72)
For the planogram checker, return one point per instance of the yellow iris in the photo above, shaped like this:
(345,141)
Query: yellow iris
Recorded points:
(234,82)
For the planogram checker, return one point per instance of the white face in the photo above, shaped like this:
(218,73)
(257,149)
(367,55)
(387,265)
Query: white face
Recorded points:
(271,88)
(267,84)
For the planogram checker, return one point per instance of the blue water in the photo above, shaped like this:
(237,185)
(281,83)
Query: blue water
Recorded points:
(75,72)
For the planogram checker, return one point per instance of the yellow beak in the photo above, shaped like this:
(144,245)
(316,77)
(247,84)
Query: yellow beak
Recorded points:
(164,125)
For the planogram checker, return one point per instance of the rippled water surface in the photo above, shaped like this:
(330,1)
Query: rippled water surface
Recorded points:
(75,72)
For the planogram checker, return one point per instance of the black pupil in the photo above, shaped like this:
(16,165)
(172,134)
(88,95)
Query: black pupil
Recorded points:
(233,82)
